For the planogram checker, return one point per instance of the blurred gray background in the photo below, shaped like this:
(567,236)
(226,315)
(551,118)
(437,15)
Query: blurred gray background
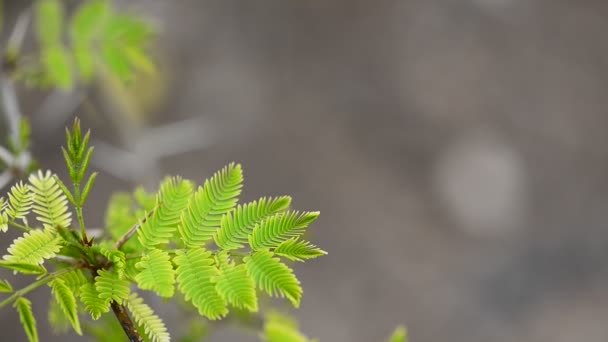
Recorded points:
(457,151)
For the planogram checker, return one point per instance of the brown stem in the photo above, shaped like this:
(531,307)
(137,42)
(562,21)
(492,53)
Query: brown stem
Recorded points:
(123,239)
(125,321)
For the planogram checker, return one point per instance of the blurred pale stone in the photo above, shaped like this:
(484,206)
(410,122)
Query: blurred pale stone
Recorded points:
(480,181)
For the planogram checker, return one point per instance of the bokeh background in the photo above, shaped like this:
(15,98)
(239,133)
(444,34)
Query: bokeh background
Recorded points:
(457,151)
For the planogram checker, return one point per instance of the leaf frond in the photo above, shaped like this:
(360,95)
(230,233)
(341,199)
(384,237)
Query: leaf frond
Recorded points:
(33,247)
(50,203)
(298,250)
(216,197)
(26,316)
(110,287)
(153,326)
(274,277)
(280,227)
(117,258)
(172,198)
(92,302)
(156,273)
(195,272)
(236,225)
(67,302)
(20,200)
(237,288)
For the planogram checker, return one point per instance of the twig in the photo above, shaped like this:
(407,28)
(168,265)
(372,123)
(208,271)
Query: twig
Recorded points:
(125,321)
(35,285)
(123,239)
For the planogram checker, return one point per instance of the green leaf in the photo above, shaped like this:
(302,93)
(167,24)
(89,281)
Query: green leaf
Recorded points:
(195,274)
(26,316)
(66,300)
(274,277)
(280,328)
(74,280)
(156,273)
(49,201)
(111,288)
(89,21)
(298,250)
(84,57)
(23,268)
(218,196)
(117,258)
(400,335)
(171,200)
(5,286)
(58,66)
(153,326)
(237,288)
(140,60)
(236,225)
(49,22)
(280,227)
(117,61)
(92,302)
(126,30)
(33,247)
(87,187)
(57,320)
(3,222)
(20,201)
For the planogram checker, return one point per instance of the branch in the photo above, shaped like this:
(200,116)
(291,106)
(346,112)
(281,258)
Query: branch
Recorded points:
(123,239)
(35,285)
(125,321)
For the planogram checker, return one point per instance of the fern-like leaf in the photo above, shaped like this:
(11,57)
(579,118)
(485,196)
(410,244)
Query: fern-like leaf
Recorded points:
(153,326)
(171,200)
(33,247)
(92,302)
(236,225)
(5,286)
(20,201)
(74,280)
(66,300)
(274,277)
(195,271)
(50,202)
(156,273)
(111,288)
(117,258)
(216,197)
(23,268)
(298,250)
(280,227)
(237,288)
(26,316)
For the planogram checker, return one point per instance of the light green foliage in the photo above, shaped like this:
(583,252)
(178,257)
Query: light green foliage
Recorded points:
(5,286)
(274,277)
(218,196)
(110,287)
(20,200)
(67,302)
(50,203)
(195,274)
(298,250)
(23,268)
(399,335)
(117,259)
(3,222)
(74,279)
(281,328)
(280,227)
(119,214)
(93,303)
(171,200)
(57,318)
(156,273)
(237,288)
(24,307)
(236,225)
(33,247)
(144,316)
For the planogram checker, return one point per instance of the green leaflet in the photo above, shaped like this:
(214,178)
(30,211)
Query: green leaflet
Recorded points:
(218,196)
(20,201)
(33,247)
(399,335)
(110,287)
(236,225)
(92,302)
(5,286)
(49,201)
(195,272)
(117,258)
(280,227)
(237,288)
(280,328)
(3,222)
(67,302)
(298,250)
(274,277)
(23,268)
(74,280)
(171,200)
(146,318)
(49,19)
(24,307)
(156,273)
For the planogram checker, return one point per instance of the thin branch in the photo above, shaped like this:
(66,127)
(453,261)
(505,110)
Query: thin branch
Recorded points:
(123,239)
(125,321)
(34,286)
